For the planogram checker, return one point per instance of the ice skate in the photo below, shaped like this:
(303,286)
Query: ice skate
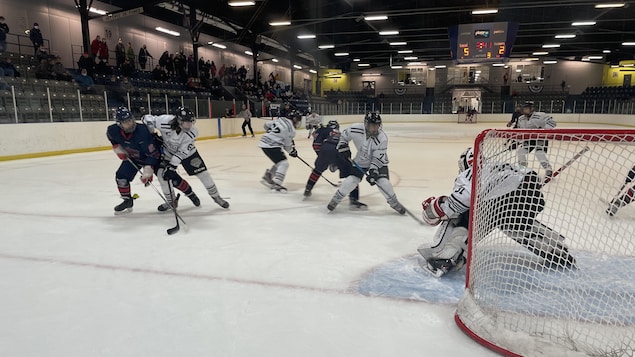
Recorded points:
(221,202)
(398,207)
(166,207)
(331,206)
(278,188)
(267,180)
(125,206)
(194,198)
(307,192)
(355,205)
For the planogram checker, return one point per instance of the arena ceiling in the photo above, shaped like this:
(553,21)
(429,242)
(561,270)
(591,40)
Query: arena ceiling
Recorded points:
(422,24)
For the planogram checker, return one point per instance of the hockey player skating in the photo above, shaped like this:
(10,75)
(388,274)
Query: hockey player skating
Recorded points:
(178,134)
(279,134)
(313,122)
(134,145)
(535,120)
(371,160)
(325,146)
(622,199)
(519,200)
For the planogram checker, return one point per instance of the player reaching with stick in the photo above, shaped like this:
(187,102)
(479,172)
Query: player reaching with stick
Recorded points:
(622,199)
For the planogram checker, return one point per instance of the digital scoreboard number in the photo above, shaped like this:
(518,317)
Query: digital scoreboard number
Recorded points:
(484,42)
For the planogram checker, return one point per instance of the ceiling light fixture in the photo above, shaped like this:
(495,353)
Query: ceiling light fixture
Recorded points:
(565,35)
(249,53)
(340,54)
(396,67)
(97,11)
(550,62)
(356,60)
(297,67)
(389,33)
(498,64)
(405,51)
(169,32)
(218,45)
(323,47)
(363,65)
(376,18)
(411,58)
(371,74)
(596,57)
(280,23)
(304,37)
(398,43)
(484,11)
(241,3)
(628,43)
(312,71)
(609,5)
(583,23)
(553,45)
(606,51)
(275,60)
(540,53)
(440,66)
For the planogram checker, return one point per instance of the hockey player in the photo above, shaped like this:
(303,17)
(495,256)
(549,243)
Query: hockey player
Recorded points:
(371,160)
(313,122)
(132,142)
(178,134)
(622,200)
(325,146)
(279,134)
(535,120)
(519,201)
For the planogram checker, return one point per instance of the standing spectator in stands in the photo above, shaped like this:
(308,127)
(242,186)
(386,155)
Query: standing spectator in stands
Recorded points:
(103,51)
(120,53)
(212,70)
(85,82)
(163,60)
(246,115)
(86,62)
(143,57)
(95,46)
(4,30)
(127,68)
(130,54)
(36,37)
(101,68)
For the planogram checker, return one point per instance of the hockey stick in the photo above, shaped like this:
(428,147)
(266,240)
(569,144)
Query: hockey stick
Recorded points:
(386,194)
(176,215)
(307,164)
(158,192)
(567,164)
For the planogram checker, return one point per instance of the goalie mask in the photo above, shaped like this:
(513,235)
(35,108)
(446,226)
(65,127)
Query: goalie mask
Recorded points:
(125,120)
(184,118)
(466,159)
(372,124)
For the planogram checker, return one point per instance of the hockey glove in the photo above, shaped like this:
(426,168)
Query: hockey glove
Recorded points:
(293,152)
(344,152)
(372,176)
(146,176)
(432,212)
(169,172)
(120,151)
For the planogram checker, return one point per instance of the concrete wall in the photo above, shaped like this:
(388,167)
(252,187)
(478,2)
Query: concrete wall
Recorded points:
(19,141)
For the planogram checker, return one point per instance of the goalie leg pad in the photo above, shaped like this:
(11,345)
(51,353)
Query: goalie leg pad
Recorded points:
(545,243)
(448,252)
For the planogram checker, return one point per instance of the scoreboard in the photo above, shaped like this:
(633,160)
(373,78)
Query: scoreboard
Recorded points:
(482,42)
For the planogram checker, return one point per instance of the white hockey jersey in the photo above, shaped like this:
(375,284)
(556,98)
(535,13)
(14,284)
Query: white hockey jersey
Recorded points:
(314,120)
(537,120)
(177,146)
(371,150)
(280,133)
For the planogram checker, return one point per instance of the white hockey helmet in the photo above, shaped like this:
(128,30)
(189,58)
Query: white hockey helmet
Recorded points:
(466,159)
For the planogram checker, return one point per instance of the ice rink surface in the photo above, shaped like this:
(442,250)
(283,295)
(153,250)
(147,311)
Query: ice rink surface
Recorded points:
(275,275)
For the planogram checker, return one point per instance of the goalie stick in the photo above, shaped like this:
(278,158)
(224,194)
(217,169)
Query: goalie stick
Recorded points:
(307,164)
(386,194)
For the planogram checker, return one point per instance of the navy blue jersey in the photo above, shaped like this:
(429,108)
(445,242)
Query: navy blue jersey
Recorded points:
(325,135)
(141,145)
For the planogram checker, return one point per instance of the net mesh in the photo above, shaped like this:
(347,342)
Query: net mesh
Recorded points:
(561,280)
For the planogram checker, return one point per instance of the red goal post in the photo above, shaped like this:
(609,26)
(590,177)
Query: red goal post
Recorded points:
(517,304)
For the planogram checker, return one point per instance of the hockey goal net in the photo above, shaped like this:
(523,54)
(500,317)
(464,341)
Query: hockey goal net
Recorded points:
(516,301)
(467,118)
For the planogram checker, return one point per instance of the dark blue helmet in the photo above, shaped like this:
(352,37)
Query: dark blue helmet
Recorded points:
(333,124)
(122,114)
(369,119)
(184,115)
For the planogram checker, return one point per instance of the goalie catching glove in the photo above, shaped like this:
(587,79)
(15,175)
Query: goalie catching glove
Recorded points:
(372,176)
(432,212)
(146,176)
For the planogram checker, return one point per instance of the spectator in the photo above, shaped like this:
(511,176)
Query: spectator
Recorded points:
(194,84)
(101,68)
(87,63)
(103,51)
(85,82)
(4,30)
(127,69)
(95,46)
(42,55)
(36,37)
(44,70)
(120,53)
(163,60)
(130,54)
(212,70)
(59,71)
(143,57)
(159,74)
(9,68)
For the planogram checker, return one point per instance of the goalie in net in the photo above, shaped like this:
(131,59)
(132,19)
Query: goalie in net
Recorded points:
(517,191)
